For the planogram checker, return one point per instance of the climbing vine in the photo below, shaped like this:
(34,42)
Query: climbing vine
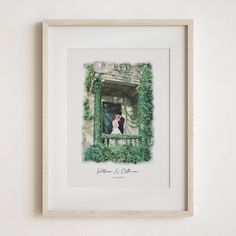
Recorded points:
(145,104)
(88,113)
(89,80)
(97,110)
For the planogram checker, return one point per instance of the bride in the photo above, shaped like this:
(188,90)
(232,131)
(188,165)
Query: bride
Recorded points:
(115,125)
(115,129)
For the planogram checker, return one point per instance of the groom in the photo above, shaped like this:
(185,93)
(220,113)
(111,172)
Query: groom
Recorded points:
(121,122)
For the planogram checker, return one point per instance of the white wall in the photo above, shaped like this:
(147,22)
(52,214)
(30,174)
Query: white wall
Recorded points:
(214,119)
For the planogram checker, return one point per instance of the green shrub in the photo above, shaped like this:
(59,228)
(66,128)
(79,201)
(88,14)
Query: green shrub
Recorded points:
(119,153)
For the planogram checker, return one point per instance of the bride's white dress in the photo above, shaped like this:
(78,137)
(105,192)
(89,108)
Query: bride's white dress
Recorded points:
(115,130)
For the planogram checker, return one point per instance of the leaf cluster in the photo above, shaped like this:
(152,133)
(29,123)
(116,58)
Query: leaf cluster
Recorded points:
(119,153)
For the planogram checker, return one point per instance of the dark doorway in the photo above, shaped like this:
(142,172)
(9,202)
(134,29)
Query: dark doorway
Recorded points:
(109,109)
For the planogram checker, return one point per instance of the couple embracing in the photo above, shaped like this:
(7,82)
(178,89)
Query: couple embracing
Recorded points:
(118,122)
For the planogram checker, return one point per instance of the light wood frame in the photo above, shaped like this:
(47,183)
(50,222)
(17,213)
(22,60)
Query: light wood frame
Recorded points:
(147,214)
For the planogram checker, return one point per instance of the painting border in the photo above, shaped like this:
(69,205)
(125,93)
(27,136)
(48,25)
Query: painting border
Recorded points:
(189,103)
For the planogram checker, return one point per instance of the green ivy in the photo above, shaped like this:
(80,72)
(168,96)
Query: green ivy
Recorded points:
(89,81)
(89,76)
(87,110)
(97,129)
(120,153)
(145,105)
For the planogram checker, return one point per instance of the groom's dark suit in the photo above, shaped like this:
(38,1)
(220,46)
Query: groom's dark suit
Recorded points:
(121,124)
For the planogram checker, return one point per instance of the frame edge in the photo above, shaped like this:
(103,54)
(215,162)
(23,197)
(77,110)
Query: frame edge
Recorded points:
(190,116)
(134,214)
(45,118)
(119,22)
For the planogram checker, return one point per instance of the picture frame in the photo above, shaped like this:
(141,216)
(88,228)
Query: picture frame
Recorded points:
(60,198)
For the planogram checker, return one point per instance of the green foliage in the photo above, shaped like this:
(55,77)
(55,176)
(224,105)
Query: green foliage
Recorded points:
(87,110)
(97,109)
(89,76)
(120,153)
(145,105)
(89,80)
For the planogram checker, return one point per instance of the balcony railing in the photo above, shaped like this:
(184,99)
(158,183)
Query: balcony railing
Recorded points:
(126,139)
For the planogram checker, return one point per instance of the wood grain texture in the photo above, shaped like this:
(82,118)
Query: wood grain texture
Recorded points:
(189,96)
(118,214)
(45,118)
(190,116)
(118,22)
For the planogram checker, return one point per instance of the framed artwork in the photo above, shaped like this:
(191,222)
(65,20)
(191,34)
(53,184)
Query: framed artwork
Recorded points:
(117,118)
